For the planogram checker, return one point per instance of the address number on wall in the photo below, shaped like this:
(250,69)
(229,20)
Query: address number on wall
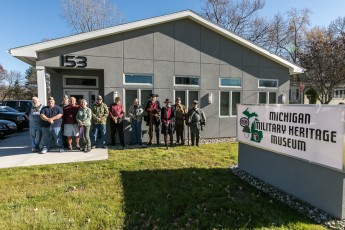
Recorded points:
(73,61)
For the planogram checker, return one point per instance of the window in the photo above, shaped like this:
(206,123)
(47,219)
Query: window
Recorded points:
(266,83)
(186,81)
(187,97)
(228,102)
(141,94)
(267,97)
(80,82)
(230,82)
(138,79)
(339,93)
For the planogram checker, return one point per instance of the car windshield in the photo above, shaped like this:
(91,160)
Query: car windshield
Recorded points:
(7,109)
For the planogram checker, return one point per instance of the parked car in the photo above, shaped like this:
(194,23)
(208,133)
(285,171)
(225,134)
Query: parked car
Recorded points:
(7,113)
(19,105)
(7,127)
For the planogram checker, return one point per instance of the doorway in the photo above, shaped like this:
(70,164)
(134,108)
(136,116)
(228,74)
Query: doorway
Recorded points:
(88,95)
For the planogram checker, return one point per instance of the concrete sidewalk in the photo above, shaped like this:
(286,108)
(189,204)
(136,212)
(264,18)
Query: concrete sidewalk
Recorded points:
(15,151)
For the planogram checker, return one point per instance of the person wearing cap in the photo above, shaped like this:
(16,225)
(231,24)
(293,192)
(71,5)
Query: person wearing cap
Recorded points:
(181,113)
(136,112)
(116,113)
(35,123)
(153,109)
(168,122)
(196,120)
(70,123)
(99,118)
(52,117)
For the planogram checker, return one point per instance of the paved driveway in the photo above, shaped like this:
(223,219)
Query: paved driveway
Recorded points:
(15,150)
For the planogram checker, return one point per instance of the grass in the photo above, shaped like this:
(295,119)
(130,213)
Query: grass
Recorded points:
(182,188)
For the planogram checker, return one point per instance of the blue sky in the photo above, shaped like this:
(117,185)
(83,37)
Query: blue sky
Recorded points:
(25,22)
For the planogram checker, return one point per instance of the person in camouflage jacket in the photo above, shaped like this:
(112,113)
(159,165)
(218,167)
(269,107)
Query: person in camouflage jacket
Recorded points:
(99,119)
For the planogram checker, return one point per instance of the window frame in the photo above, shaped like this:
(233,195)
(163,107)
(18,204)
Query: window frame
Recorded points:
(264,87)
(267,97)
(230,102)
(142,103)
(229,86)
(80,86)
(138,74)
(185,85)
(186,103)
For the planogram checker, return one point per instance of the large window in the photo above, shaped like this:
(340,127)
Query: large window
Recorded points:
(267,97)
(142,94)
(267,83)
(228,102)
(230,82)
(138,79)
(187,96)
(179,80)
(339,93)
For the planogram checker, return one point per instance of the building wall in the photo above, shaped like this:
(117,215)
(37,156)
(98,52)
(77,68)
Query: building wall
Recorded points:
(181,47)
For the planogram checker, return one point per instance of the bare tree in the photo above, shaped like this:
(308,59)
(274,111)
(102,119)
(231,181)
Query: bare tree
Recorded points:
(240,17)
(11,85)
(88,15)
(323,57)
(338,26)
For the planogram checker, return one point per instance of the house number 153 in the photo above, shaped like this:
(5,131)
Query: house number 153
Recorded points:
(73,61)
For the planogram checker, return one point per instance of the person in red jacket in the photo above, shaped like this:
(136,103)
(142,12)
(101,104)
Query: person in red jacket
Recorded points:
(153,109)
(116,113)
(168,122)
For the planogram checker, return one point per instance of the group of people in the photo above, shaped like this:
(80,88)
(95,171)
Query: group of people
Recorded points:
(70,121)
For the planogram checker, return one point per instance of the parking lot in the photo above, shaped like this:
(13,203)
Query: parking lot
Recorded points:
(15,151)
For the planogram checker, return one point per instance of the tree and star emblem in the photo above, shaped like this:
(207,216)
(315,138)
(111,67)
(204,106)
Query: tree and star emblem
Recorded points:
(249,127)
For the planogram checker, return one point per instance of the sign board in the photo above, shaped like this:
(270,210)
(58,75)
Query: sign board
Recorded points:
(313,133)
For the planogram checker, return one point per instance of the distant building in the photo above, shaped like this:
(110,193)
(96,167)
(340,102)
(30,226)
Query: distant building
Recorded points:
(176,55)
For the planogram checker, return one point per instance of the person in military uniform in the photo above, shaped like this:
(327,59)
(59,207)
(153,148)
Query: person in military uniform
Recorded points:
(153,109)
(196,121)
(168,122)
(181,113)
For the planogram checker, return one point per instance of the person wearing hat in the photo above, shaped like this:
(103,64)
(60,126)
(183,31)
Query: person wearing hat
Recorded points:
(52,117)
(196,120)
(168,122)
(99,118)
(181,113)
(153,109)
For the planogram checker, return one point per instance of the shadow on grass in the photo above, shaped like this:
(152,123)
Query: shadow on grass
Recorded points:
(199,199)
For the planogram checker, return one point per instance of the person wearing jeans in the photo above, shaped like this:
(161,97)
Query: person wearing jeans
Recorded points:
(33,114)
(136,113)
(51,115)
(99,117)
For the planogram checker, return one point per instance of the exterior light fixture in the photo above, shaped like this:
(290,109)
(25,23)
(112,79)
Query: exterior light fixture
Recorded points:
(210,98)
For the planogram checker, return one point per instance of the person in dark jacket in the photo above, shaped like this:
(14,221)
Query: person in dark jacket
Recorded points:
(196,121)
(168,122)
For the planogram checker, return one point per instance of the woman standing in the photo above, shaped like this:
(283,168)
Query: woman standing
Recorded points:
(136,114)
(116,112)
(84,116)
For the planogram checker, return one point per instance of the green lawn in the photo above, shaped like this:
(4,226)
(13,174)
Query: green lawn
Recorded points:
(182,188)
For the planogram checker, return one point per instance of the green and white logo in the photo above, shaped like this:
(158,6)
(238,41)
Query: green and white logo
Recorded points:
(249,127)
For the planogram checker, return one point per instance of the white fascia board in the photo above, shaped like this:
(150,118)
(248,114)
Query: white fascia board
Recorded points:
(31,50)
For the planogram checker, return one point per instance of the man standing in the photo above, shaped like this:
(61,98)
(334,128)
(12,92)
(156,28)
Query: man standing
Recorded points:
(51,115)
(196,121)
(135,112)
(71,128)
(99,117)
(181,113)
(64,103)
(116,113)
(33,114)
(153,109)
(168,120)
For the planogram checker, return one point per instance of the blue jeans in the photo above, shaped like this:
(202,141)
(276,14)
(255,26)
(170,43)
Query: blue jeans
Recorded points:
(36,136)
(102,129)
(48,133)
(136,133)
